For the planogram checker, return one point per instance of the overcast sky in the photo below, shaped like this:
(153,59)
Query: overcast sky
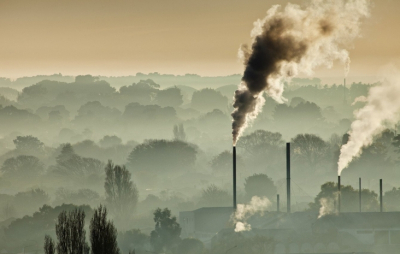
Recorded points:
(124,37)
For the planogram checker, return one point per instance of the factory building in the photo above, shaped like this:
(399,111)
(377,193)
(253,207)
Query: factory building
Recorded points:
(302,232)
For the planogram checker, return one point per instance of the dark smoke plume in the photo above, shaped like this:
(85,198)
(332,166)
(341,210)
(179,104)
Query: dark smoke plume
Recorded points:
(289,42)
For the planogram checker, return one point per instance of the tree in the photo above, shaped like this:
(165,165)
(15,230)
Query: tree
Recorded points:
(14,119)
(144,115)
(167,231)
(283,113)
(69,163)
(296,101)
(93,113)
(59,111)
(78,197)
(142,92)
(310,150)
(304,114)
(380,154)
(259,185)
(121,192)
(28,144)
(132,240)
(349,198)
(22,165)
(261,142)
(71,234)
(4,101)
(55,116)
(67,152)
(29,200)
(222,163)
(103,234)
(391,199)
(307,112)
(170,97)
(214,122)
(214,196)
(110,141)
(330,115)
(208,99)
(396,142)
(262,150)
(33,227)
(179,132)
(49,245)
(162,156)
(86,79)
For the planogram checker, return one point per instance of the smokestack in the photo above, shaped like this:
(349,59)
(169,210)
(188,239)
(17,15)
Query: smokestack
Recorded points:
(234,178)
(344,90)
(288,175)
(277,203)
(381,197)
(359,193)
(339,194)
(288,42)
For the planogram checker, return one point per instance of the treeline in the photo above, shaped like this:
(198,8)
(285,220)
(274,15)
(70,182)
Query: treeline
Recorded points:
(71,111)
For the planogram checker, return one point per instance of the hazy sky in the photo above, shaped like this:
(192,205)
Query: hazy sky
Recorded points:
(168,36)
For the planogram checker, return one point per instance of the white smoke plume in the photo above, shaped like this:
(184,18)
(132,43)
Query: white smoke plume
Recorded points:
(244,212)
(359,99)
(327,207)
(290,41)
(381,111)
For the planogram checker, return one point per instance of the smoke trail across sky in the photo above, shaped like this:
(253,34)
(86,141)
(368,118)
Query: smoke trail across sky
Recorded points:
(381,111)
(290,41)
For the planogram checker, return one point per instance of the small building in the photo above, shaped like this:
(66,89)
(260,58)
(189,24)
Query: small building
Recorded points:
(204,222)
(371,228)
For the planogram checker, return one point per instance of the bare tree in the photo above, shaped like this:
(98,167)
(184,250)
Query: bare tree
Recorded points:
(103,234)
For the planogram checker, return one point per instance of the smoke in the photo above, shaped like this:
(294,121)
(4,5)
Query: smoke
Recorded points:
(327,207)
(244,212)
(359,99)
(380,112)
(290,41)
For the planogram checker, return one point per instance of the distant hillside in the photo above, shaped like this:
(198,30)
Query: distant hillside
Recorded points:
(165,80)
(225,84)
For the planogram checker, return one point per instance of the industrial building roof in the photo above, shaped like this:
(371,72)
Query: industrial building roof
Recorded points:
(367,220)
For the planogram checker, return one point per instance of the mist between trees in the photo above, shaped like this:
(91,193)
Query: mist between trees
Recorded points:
(147,151)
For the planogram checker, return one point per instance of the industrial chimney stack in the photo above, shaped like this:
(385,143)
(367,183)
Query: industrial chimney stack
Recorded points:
(381,195)
(339,194)
(234,178)
(277,203)
(359,193)
(288,175)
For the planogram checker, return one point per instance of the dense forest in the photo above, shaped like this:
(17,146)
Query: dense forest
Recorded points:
(120,157)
